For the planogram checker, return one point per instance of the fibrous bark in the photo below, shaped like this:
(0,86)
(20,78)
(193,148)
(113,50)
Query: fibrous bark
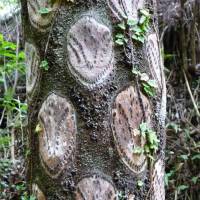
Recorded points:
(88,105)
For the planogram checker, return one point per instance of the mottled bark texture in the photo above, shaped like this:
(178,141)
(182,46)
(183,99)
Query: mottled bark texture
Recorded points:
(86,109)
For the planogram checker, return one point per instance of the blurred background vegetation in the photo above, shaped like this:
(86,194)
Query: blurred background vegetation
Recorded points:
(180,33)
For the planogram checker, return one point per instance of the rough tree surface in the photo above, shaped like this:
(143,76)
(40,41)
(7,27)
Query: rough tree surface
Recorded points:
(86,108)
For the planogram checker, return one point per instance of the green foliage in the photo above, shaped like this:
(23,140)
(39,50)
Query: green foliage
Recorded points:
(44,65)
(122,26)
(184,157)
(9,189)
(4,165)
(120,39)
(140,183)
(5,181)
(25,196)
(149,85)
(32,197)
(12,66)
(121,195)
(182,187)
(141,27)
(173,126)
(44,11)
(138,150)
(182,174)
(15,107)
(14,115)
(4,141)
(138,28)
(38,128)
(168,57)
(152,141)
(168,176)
(195,179)
(12,60)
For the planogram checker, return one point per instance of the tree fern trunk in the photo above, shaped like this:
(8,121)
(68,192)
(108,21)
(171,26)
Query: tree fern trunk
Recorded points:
(86,106)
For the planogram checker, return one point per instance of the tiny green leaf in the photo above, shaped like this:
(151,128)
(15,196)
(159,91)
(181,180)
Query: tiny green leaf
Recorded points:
(119,36)
(126,40)
(151,157)
(1,37)
(196,157)
(1,80)
(142,19)
(182,187)
(149,90)
(44,65)
(32,197)
(146,149)
(144,77)
(132,22)
(152,137)
(38,128)
(152,83)
(195,179)
(140,183)
(119,41)
(184,157)
(138,150)
(122,26)
(136,29)
(141,39)
(44,11)
(145,12)
(134,37)
(135,71)
(143,127)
